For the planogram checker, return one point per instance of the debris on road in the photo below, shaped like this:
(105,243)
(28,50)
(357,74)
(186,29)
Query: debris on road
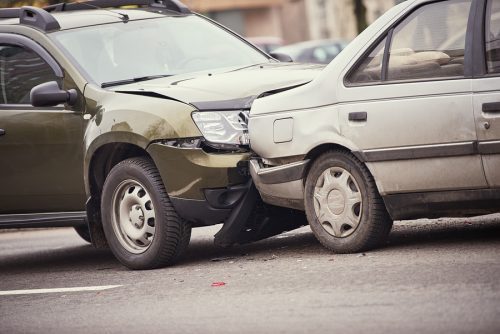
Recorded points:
(217,284)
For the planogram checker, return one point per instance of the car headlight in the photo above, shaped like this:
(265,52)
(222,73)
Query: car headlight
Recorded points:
(223,128)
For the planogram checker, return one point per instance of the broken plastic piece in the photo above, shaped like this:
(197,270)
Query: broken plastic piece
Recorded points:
(216,284)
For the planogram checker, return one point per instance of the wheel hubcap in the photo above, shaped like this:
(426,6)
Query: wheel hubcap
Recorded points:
(133,216)
(136,216)
(337,202)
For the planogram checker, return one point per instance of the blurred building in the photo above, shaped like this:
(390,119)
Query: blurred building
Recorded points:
(291,20)
(253,18)
(336,19)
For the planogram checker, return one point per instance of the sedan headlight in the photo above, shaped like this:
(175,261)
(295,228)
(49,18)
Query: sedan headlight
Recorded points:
(223,128)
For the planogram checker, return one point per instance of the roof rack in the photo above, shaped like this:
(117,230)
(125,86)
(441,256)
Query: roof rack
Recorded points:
(9,13)
(43,19)
(31,16)
(173,5)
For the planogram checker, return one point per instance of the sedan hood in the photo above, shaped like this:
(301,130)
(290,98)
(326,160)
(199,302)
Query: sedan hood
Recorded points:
(225,89)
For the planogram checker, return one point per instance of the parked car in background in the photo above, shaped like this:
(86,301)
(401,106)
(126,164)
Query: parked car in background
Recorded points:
(133,120)
(317,51)
(403,124)
(266,43)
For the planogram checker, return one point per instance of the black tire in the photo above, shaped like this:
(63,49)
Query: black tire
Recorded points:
(83,232)
(374,223)
(171,234)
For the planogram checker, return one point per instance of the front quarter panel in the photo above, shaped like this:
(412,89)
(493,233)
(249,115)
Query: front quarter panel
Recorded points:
(151,118)
(133,119)
(311,128)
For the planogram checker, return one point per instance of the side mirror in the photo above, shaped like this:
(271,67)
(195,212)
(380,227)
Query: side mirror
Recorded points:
(49,94)
(282,57)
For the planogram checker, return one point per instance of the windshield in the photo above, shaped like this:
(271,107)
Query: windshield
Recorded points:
(155,47)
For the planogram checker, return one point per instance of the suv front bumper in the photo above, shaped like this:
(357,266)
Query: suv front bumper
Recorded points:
(207,189)
(204,188)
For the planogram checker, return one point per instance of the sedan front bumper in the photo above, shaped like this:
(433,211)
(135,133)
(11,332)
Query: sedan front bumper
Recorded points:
(280,185)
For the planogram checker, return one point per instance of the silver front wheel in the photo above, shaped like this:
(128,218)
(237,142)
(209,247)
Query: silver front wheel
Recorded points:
(141,225)
(338,202)
(133,217)
(343,206)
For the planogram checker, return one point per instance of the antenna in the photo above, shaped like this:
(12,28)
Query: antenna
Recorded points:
(124,17)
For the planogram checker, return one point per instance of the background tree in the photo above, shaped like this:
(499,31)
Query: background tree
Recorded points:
(360,14)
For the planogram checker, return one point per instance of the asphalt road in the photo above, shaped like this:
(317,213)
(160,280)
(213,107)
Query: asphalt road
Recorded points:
(438,276)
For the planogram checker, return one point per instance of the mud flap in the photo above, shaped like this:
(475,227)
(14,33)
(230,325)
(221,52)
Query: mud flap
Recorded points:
(253,220)
(93,209)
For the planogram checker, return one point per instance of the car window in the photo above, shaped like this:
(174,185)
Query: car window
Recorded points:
(425,45)
(428,44)
(21,69)
(163,46)
(370,70)
(325,54)
(493,36)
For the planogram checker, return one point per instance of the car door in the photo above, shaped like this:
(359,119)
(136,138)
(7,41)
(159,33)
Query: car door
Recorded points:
(487,95)
(409,104)
(40,148)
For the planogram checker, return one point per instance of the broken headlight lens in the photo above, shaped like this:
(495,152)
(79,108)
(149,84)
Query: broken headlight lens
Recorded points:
(223,128)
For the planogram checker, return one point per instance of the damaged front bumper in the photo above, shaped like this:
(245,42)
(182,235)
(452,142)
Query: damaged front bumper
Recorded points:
(280,185)
(203,187)
(207,189)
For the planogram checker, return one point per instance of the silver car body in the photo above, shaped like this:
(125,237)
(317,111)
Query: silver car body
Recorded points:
(424,138)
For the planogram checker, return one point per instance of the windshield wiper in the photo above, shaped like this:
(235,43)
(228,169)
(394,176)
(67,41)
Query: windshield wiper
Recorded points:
(249,66)
(129,81)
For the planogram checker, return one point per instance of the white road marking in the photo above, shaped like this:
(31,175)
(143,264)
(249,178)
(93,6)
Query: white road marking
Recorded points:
(57,290)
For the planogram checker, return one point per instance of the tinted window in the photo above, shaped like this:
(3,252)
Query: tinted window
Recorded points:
(21,70)
(430,43)
(493,36)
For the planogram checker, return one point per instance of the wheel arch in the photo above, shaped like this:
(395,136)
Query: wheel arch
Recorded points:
(317,151)
(99,163)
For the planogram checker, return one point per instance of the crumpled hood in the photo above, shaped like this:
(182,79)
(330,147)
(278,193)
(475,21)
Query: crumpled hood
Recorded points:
(225,89)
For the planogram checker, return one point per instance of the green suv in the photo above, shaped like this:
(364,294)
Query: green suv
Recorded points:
(134,121)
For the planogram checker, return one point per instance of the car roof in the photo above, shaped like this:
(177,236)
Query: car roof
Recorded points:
(91,17)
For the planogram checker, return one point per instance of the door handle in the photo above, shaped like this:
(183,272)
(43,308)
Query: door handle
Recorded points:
(361,116)
(2,132)
(491,107)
